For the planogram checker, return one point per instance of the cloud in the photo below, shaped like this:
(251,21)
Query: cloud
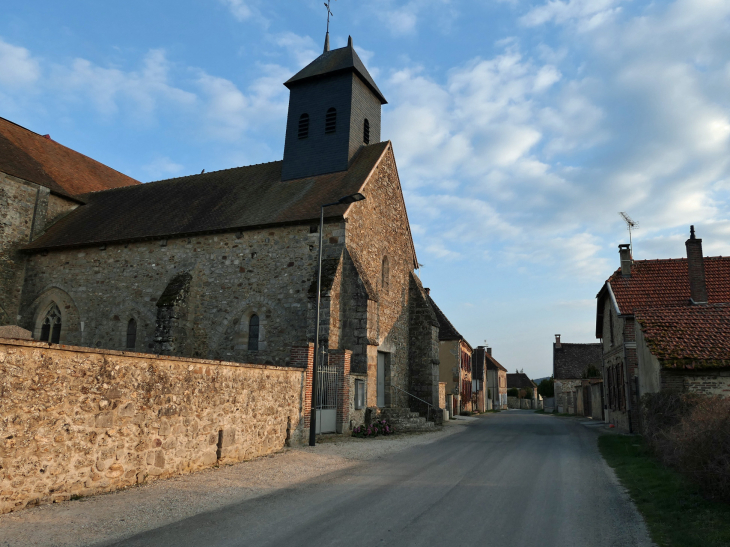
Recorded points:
(162,167)
(403,18)
(541,152)
(19,68)
(302,48)
(585,14)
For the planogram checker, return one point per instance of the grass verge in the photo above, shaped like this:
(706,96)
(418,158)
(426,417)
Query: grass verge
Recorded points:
(674,510)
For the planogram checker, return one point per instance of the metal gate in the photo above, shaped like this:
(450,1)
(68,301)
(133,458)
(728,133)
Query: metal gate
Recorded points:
(327,383)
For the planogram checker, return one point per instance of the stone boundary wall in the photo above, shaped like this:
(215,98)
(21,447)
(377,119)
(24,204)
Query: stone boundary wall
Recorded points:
(79,421)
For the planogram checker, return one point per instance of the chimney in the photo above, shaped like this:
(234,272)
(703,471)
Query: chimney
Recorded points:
(428,291)
(624,251)
(489,351)
(696,266)
(557,341)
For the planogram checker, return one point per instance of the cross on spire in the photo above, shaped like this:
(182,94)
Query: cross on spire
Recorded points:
(327,36)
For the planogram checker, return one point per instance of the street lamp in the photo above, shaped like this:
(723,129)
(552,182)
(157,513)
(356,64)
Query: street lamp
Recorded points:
(352,198)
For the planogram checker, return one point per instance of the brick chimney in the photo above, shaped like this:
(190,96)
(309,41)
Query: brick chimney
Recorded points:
(428,291)
(696,266)
(624,251)
(489,351)
(557,341)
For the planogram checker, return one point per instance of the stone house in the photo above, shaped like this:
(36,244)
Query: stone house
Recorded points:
(222,265)
(661,293)
(572,365)
(479,378)
(455,358)
(496,382)
(522,382)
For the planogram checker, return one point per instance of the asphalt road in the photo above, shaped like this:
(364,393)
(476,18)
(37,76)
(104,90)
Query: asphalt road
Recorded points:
(509,479)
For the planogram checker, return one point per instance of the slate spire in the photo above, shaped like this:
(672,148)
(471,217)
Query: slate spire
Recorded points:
(326,42)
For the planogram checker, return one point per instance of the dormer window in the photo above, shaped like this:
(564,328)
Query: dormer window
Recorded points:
(330,121)
(303,126)
(366,131)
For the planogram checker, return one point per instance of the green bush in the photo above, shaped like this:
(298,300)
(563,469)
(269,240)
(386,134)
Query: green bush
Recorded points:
(547,387)
(513,392)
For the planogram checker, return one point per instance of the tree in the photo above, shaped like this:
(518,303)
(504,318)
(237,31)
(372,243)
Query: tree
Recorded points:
(547,387)
(513,392)
(528,393)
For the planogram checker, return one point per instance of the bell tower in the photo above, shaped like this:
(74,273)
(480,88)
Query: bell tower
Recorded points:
(334,110)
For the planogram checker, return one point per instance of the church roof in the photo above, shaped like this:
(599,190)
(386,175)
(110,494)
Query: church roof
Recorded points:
(36,158)
(337,61)
(239,198)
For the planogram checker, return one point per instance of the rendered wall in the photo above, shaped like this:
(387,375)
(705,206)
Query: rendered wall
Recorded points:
(74,421)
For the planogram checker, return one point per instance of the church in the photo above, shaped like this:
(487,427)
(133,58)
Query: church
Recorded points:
(223,265)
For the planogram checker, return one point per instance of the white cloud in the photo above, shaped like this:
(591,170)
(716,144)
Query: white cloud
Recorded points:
(402,18)
(302,48)
(18,68)
(586,14)
(162,167)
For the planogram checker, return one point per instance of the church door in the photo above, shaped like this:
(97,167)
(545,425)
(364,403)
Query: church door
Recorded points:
(381,379)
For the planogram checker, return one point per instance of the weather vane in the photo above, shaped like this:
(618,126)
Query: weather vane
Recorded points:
(329,12)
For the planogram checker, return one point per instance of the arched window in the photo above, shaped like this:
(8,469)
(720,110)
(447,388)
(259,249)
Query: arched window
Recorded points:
(132,334)
(330,121)
(366,131)
(303,126)
(51,328)
(253,333)
(385,284)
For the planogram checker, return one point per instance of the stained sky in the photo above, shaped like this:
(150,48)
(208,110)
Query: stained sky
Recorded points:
(521,128)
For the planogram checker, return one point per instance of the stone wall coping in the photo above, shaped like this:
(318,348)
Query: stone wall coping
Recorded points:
(100,351)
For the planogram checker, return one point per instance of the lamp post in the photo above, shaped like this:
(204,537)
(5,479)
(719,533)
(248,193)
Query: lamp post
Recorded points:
(315,388)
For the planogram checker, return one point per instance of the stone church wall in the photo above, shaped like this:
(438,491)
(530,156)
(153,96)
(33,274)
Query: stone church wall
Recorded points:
(26,208)
(378,228)
(75,421)
(266,272)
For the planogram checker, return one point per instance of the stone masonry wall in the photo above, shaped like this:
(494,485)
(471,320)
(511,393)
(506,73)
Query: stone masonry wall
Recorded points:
(265,272)
(75,421)
(704,382)
(378,228)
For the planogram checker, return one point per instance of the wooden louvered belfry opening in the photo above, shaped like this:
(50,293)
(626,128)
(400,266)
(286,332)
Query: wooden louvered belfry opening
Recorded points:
(303,126)
(366,131)
(330,121)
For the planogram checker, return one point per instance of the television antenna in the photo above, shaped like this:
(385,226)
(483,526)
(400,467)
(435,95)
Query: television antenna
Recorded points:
(631,225)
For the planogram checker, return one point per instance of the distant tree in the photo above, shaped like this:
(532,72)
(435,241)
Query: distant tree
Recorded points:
(513,392)
(547,387)
(528,393)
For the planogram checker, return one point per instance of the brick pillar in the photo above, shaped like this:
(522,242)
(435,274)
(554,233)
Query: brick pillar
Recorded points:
(341,359)
(302,356)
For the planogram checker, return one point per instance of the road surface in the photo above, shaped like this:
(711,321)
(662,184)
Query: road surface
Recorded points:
(511,479)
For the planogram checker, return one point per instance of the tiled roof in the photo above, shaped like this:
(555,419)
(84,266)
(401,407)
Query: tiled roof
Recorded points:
(688,337)
(662,283)
(333,62)
(35,158)
(520,380)
(239,198)
(493,364)
(447,331)
(570,361)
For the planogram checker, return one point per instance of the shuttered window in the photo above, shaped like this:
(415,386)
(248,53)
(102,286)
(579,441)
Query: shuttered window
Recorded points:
(330,121)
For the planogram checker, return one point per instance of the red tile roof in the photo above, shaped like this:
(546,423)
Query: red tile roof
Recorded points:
(35,158)
(662,283)
(688,337)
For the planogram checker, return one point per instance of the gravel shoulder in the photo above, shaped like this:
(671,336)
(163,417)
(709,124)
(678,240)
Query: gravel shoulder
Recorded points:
(113,516)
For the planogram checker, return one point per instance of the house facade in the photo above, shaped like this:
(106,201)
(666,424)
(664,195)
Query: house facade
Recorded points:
(522,382)
(496,382)
(455,363)
(573,364)
(222,265)
(635,310)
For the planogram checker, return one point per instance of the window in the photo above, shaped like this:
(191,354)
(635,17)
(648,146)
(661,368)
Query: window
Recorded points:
(330,121)
(303,126)
(385,283)
(359,394)
(132,334)
(366,131)
(253,333)
(610,323)
(51,328)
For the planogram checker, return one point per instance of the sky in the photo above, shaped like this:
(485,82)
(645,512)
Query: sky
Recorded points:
(520,128)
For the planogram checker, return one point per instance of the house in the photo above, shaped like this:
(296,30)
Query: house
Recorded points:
(455,362)
(660,324)
(479,380)
(573,366)
(496,382)
(222,265)
(522,382)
